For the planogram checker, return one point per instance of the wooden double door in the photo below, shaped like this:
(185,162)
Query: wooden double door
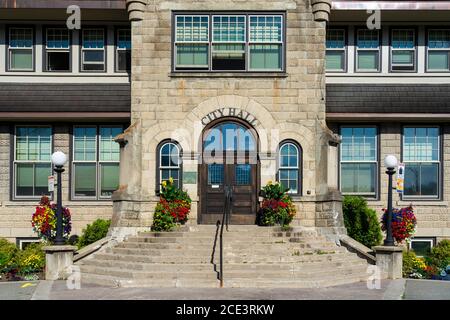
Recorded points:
(229,164)
(241,181)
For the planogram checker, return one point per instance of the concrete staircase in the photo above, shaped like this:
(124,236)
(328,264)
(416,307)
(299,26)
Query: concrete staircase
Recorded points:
(254,257)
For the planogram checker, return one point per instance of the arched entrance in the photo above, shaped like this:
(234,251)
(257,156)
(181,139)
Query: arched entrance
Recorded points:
(229,160)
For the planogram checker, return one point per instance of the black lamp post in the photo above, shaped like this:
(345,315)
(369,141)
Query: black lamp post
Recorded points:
(391,163)
(59,159)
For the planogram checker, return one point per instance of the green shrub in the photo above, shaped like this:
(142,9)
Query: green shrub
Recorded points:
(8,251)
(361,222)
(440,255)
(161,220)
(31,259)
(94,232)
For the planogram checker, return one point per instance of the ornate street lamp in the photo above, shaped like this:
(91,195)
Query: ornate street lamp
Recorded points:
(58,160)
(391,163)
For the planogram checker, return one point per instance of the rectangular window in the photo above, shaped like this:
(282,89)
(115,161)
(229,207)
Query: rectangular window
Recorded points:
(359,161)
(421,246)
(336,50)
(368,50)
(20,49)
(123,47)
(57,49)
(93,55)
(228,42)
(95,162)
(403,50)
(421,155)
(438,50)
(32,163)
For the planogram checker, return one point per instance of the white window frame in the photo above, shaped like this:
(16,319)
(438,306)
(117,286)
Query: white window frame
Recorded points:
(118,50)
(10,49)
(289,168)
(430,240)
(244,42)
(413,50)
(98,163)
(436,50)
(250,43)
(20,241)
(370,195)
(176,42)
(49,50)
(343,50)
(169,167)
(16,162)
(438,162)
(83,49)
(358,50)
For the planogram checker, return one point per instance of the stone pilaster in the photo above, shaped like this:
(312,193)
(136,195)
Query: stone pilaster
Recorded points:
(321,9)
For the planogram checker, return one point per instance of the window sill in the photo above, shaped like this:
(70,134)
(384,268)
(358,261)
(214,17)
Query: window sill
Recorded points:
(73,204)
(418,202)
(228,75)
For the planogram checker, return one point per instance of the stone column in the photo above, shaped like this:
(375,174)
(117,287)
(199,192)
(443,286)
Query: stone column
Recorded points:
(58,261)
(390,261)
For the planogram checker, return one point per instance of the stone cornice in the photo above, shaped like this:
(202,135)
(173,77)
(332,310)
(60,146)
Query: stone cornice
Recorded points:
(136,9)
(321,9)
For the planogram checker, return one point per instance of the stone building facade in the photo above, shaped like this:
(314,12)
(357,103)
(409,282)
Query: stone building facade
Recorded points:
(178,106)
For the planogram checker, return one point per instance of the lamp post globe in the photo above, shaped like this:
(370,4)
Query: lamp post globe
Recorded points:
(390,161)
(59,159)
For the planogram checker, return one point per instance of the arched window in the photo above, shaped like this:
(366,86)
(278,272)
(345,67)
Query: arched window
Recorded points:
(289,166)
(169,162)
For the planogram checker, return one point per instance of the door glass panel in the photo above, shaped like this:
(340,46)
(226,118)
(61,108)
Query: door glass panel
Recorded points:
(215,174)
(243,174)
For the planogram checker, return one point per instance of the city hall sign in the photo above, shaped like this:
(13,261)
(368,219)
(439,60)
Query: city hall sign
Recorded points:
(230,112)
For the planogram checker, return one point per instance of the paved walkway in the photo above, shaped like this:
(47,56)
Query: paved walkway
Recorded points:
(357,291)
(21,290)
(427,290)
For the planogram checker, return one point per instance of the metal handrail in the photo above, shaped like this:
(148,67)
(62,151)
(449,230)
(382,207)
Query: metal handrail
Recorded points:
(225,222)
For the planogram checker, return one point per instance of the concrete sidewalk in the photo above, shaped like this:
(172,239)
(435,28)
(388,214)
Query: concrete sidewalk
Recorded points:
(357,291)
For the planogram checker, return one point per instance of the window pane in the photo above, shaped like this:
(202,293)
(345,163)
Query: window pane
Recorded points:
(403,57)
(421,179)
(403,39)
(228,28)
(109,149)
(57,38)
(33,143)
(124,60)
(85,175)
(41,174)
(58,61)
(243,174)
(93,56)
(228,57)
(289,179)
(110,179)
(358,144)
(21,59)
(368,60)
(335,60)
(266,28)
(335,39)
(93,38)
(368,39)
(24,179)
(265,57)
(124,39)
(438,60)
(439,39)
(421,248)
(85,147)
(421,144)
(192,55)
(358,178)
(21,38)
(215,174)
(192,28)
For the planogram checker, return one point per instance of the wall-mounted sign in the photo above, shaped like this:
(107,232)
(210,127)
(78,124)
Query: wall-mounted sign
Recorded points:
(51,183)
(401,178)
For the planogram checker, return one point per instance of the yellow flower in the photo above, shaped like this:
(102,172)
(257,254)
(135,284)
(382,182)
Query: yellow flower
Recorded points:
(171,180)
(269,183)
(164,183)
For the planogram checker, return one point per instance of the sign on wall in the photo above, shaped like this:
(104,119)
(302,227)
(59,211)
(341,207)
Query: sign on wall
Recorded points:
(401,178)
(51,183)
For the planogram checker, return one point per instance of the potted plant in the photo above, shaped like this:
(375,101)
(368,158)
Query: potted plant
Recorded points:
(277,207)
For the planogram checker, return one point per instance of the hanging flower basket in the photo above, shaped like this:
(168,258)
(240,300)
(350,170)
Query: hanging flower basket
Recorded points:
(403,224)
(277,207)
